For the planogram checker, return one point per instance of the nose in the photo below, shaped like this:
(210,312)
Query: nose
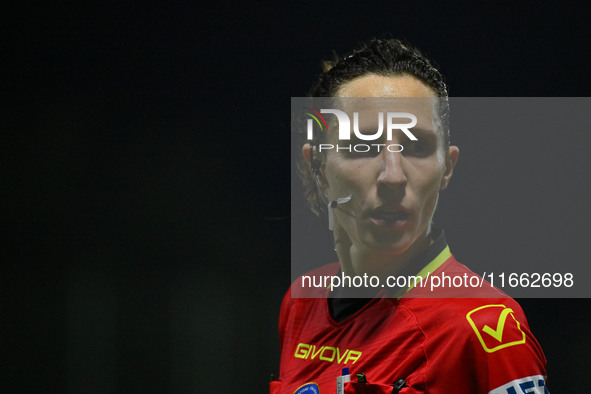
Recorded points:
(392,174)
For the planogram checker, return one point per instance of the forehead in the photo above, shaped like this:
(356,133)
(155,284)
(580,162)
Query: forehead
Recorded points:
(372,85)
(370,94)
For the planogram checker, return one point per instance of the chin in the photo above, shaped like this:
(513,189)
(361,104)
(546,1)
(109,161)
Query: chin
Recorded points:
(391,245)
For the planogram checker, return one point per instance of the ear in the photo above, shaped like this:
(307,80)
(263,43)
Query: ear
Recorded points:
(450,161)
(311,156)
(307,153)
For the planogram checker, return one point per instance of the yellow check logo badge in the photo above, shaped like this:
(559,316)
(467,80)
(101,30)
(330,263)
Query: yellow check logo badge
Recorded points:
(507,333)
(498,333)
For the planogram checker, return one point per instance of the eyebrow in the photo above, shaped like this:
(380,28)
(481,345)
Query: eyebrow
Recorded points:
(424,133)
(420,130)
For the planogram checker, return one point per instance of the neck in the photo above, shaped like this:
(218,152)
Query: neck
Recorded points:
(380,262)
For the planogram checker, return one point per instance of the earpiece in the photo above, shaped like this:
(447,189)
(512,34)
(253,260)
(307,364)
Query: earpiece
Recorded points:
(315,165)
(330,205)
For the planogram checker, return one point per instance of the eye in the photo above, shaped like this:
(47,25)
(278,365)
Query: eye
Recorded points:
(367,148)
(420,148)
(357,148)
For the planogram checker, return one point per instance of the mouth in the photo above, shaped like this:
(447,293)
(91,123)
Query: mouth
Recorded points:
(389,218)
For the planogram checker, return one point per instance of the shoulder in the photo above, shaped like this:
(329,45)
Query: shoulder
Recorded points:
(481,344)
(463,317)
(304,303)
(487,323)
(307,289)
(479,340)
(457,303)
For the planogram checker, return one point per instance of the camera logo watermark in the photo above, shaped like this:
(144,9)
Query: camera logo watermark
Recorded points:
(344,125)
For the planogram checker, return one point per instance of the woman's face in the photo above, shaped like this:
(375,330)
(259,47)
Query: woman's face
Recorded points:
(393,194)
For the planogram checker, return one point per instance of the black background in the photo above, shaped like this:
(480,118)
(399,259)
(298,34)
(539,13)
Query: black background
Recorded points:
(147,201)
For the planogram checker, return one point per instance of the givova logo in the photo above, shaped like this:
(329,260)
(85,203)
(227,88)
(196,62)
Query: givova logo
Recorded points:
(344,126)
(326,353)
(529,385)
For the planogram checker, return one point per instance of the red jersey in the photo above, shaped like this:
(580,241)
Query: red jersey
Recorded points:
(425,345)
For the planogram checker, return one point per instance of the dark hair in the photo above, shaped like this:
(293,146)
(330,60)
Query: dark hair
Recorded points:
(384,57)
(388,57)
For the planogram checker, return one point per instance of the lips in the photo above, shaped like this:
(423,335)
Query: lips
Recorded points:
(388,218)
